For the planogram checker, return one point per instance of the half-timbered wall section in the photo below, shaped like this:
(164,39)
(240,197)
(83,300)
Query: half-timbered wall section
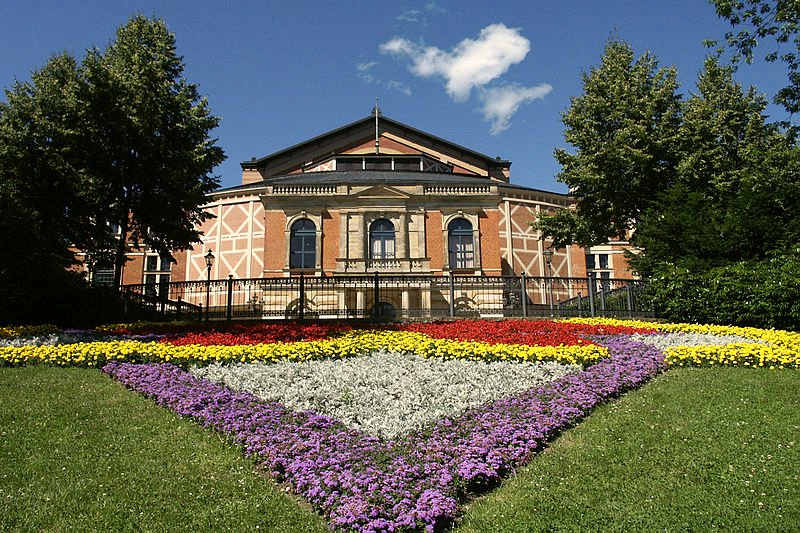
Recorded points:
(521,248)
(236,237)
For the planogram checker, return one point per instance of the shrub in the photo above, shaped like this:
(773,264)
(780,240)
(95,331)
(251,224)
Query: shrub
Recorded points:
(763,294)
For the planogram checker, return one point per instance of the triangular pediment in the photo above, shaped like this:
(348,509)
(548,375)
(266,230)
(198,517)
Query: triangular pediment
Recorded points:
(359,138)
(382,192)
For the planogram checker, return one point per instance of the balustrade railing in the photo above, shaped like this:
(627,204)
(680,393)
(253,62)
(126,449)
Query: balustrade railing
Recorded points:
(388,296)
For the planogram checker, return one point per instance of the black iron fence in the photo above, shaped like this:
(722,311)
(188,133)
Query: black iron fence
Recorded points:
(387,297)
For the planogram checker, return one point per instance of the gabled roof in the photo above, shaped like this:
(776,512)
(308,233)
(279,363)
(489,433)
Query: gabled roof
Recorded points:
(321,144)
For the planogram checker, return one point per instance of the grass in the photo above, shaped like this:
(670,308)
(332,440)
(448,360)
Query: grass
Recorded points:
(79,452)
(697,449)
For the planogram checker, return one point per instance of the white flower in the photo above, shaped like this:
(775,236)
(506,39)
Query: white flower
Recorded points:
(385,393)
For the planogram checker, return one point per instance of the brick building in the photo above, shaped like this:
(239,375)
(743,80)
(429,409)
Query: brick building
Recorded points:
(377,195)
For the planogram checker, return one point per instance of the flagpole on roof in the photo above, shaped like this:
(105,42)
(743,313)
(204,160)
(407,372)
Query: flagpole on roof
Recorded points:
(377,112)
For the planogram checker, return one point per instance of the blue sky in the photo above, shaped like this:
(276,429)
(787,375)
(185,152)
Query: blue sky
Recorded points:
(492,76)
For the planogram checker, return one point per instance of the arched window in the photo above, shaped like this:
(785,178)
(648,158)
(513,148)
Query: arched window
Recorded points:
(460,244)
(303,244)
(381,239)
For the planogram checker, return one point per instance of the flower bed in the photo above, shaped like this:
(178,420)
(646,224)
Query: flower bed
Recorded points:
(532,332)
(417,478)
(540,333)
(8,332)
(384,393)
(349,344)
(415,481)
(480,340)
(760,347)
(238,334)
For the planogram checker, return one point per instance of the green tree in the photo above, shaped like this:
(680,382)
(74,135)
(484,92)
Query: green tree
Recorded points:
(42,207)
(153,156)
(760,20)
(735,197)
(119,139)
(624,129)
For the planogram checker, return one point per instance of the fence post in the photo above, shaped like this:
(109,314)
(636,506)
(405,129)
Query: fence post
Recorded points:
(301,312)
(230,297)
(523,287)
(602,298)
(163,289)
(452,296)
(208,292)
(376,295)
(180,306)
(591,294)
(629,300)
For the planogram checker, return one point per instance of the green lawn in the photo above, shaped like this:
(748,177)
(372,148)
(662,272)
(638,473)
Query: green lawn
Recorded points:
(697,449)
(79,452)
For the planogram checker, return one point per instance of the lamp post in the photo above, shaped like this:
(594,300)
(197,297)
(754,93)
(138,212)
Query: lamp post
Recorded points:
(209,262)
(548,257)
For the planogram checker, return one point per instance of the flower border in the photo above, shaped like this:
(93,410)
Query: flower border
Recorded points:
(416,481)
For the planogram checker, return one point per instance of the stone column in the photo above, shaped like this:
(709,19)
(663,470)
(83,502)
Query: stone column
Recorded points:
(360,301)
(356,233)
(402,237)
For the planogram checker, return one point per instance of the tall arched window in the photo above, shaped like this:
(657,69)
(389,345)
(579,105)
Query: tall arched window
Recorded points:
(381,239)
(303,244)
(460,244)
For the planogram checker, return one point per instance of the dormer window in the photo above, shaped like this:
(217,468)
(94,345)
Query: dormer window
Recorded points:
(408,164)
(389,163)
(377,163)
(349,163)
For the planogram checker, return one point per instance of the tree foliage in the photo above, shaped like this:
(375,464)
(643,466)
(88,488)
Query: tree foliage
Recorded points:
(759,293)
(736,193)
(716,182)
(154,157)
(120,138)
(760,20)
(41,205)
(624,128)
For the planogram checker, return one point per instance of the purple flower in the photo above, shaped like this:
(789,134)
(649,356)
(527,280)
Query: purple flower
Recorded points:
(412,482)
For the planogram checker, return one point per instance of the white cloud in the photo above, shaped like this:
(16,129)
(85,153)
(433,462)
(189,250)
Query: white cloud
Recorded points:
(409,15)
(398,86)
(472,63)
(418,17)
(364,67)
(364,71)
(433,6)
(500,103)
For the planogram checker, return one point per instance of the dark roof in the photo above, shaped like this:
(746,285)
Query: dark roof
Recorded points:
(356,177)
(240,188)
(371,119)
(370,177)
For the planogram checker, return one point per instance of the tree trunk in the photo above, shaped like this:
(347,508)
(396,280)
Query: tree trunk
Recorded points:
(122,248)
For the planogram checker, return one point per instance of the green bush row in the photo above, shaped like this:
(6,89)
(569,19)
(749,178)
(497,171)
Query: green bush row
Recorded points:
(763,294)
